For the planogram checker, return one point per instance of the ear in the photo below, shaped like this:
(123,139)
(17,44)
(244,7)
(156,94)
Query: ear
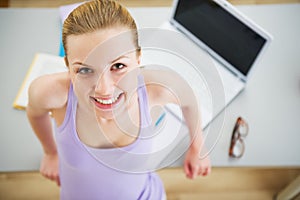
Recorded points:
(139,57)
(66,61)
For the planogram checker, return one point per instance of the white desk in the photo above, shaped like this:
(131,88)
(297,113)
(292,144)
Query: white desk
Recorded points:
(270,103)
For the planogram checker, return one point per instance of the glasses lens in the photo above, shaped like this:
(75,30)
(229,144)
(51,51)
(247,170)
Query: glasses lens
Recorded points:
(243,128)
(238,148)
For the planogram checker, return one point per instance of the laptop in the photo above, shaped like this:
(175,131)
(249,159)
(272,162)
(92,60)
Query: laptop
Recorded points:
(234,43)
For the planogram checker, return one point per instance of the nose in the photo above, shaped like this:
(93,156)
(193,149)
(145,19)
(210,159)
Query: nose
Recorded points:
(105,85)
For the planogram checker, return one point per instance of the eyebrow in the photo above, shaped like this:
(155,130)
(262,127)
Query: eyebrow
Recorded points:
(83,64)
(123,56)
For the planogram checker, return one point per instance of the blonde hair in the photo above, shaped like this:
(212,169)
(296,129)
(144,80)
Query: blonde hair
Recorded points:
(95,15)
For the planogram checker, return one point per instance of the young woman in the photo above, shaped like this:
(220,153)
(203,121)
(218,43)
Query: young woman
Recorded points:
(101,109)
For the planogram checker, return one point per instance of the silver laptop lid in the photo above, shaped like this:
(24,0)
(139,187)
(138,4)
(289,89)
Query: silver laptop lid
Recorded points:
(224,32)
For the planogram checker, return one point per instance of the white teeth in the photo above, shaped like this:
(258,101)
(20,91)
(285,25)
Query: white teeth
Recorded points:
(107,101)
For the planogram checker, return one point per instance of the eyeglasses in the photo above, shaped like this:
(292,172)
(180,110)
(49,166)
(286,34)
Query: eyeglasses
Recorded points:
(237,146)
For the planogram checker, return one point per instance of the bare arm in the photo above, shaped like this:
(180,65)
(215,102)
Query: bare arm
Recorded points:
(40,122)
(169,87)
(42,100)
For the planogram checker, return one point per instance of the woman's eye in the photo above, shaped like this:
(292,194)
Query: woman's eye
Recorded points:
(84,70)
(118,66)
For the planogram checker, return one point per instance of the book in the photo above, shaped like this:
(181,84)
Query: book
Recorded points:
(42,64)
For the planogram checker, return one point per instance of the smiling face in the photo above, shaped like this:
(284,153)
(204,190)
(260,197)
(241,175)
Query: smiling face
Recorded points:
(103,68)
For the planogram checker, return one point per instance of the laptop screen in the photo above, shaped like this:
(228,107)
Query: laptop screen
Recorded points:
(227,36)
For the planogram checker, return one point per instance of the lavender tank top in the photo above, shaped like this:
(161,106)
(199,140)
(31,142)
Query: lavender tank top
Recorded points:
(125,173)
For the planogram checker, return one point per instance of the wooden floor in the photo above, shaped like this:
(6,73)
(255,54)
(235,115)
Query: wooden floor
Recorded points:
(223,183)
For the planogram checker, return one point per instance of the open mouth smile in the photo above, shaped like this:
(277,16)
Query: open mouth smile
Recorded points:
(107,103)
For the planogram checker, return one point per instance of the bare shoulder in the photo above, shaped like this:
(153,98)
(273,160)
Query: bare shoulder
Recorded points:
(166,86)
(159,86)
(49,92)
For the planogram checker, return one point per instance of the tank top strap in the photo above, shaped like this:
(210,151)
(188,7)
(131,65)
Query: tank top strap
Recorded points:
(72,101)
(143,103)
(69,109)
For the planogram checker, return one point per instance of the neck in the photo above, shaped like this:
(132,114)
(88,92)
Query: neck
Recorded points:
(120,130)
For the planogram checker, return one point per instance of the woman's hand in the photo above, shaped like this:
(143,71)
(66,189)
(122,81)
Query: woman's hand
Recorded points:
(194,166)
(49,167)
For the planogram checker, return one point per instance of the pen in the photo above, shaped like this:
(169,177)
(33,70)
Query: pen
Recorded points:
(161,117)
